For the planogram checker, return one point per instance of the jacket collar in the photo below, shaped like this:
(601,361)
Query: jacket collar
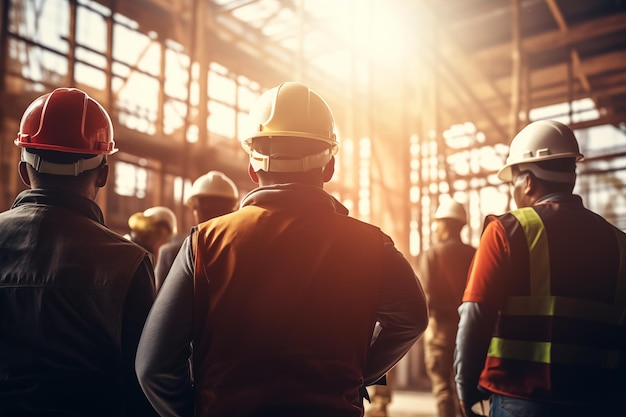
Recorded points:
(560,198)
(60,198)
(298,196)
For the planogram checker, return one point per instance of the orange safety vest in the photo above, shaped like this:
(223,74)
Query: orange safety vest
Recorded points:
(561,334)
(284,308)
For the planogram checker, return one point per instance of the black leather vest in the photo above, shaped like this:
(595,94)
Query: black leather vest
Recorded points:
(64,278)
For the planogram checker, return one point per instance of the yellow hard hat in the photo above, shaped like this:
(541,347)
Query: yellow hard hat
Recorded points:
(286,113)
(152,218)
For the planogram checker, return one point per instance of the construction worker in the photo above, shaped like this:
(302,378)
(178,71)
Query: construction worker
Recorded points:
(443,271)
(281,298)
(152,228)
(212,194)
(74,295)
(542,327)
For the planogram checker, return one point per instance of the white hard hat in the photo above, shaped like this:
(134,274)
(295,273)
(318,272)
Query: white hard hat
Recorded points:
(151,217)
(451,209)
(541,141)
(212,184)
(285,114)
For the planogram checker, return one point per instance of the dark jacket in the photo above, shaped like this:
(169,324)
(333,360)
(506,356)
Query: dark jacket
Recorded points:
(73,299)
(167,254)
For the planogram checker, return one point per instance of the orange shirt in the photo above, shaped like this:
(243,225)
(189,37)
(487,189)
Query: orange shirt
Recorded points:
(484,283)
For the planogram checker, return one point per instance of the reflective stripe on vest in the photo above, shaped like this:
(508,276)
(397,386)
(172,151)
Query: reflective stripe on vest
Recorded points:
(541,303)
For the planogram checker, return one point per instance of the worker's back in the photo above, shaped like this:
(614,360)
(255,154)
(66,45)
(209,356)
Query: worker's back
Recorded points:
(64,279)
(566,290)
(321,274)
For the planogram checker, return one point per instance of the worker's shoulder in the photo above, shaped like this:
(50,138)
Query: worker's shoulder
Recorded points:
(111,241)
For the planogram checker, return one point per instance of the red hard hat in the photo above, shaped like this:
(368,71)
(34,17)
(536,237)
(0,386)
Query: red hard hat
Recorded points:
(67,120)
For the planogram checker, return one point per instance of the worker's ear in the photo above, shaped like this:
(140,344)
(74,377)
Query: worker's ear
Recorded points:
(530,185)
(329,170)
(23,171)
(253,176)
(103,176)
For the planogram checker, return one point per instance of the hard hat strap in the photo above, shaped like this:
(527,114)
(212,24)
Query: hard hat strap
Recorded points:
(547,175)
(47,167)
(275,163)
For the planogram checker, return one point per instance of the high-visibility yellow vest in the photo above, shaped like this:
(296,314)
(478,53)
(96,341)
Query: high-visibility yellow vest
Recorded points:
(549,345)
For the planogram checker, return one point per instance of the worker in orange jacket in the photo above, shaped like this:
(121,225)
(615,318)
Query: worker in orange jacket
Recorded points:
(291,305)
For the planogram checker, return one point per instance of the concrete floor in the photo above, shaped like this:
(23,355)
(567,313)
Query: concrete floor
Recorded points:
(410,404)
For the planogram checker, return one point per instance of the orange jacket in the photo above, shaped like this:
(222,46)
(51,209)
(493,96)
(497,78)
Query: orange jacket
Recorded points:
(287,294)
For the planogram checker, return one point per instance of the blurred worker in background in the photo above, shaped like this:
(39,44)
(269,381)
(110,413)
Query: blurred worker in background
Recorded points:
(212,194)
(281,297)
(152,228)
(542,327)
(443,271)
(74,295)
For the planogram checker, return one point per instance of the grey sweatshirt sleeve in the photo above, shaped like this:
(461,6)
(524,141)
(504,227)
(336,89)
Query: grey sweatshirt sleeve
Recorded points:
(472,343)
(164,351)
(402,315)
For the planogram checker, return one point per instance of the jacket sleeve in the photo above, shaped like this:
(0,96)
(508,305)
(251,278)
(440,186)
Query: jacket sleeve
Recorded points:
(164,350)
(402,315)
(138,302)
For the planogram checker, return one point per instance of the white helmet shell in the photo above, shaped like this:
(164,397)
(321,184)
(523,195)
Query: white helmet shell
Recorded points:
(451,209)
(212,184)
(541,141)
(286,113)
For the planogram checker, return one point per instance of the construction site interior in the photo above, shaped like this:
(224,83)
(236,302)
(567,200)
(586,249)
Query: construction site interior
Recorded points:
(426,96)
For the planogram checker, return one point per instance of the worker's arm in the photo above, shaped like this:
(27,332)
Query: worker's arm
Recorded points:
(402,315)
(472,342)
(483,296)
(164,351)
